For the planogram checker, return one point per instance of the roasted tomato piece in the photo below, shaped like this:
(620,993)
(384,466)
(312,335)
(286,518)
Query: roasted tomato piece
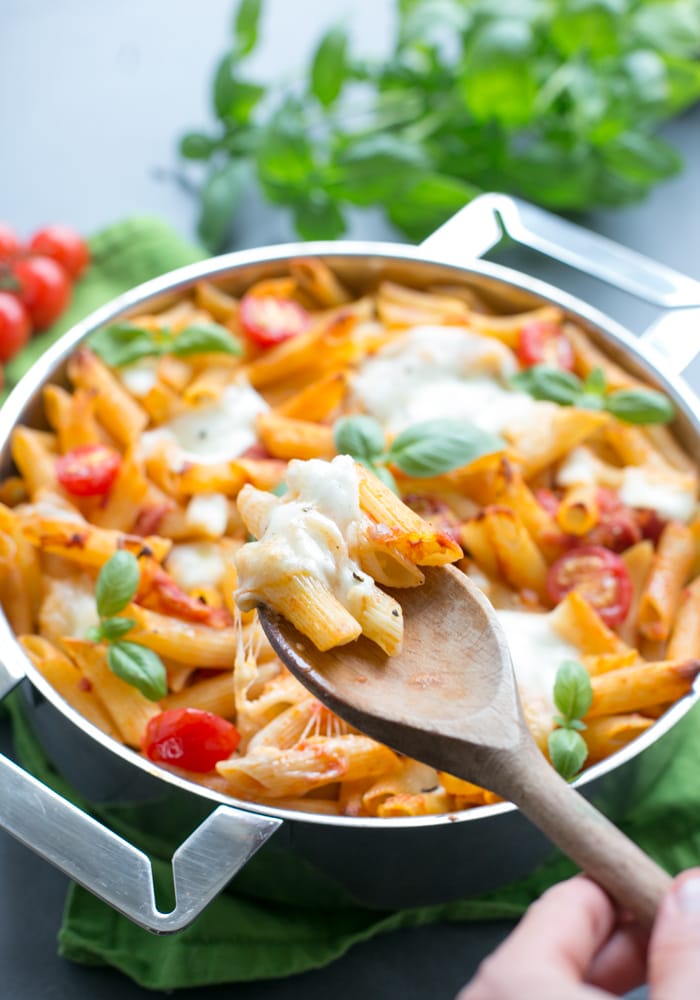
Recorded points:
(600,576)
(436,512)
(543,342)
(190,738)
(268,319)
(618,525)
(89,470)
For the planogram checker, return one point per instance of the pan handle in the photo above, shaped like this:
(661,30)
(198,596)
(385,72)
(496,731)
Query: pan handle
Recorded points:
(112,868)
(482,224)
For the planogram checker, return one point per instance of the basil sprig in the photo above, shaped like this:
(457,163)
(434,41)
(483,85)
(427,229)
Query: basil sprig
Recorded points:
(123,343)
(633,406)
(428,448)
(572,696)
(117,584)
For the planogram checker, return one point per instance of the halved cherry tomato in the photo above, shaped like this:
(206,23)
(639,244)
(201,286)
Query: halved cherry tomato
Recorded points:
(15,326)
(9,242)
(44,288)
(268,319)
(64,245)
(89,470)
(542,342)
(618,526)
(190,738)
(598,575)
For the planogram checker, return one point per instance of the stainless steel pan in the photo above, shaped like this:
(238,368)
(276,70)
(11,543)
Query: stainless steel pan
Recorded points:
(383,862)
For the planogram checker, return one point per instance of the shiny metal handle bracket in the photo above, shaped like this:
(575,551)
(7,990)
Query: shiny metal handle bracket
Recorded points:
(674,339)
(112,868)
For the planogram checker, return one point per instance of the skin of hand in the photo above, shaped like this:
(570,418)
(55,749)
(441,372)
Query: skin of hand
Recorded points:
(572,944)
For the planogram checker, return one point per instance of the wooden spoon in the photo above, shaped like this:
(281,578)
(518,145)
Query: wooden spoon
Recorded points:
(449,699)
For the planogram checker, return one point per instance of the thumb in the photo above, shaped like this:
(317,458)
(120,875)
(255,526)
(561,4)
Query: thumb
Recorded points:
(674,950)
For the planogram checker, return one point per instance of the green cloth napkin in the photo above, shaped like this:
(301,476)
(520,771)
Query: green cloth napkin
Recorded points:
(280,917)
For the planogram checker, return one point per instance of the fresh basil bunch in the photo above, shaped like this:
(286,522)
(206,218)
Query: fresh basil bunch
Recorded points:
(123,343)
(558,101)
(138,665)
(428,448)
(633,406)
(572,696)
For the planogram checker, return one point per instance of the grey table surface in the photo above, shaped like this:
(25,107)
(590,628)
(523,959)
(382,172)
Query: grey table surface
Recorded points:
(92,99)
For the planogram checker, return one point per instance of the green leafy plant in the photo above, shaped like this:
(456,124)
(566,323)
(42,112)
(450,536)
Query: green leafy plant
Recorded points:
(558,101)
(572,696)
(633,406)
(117,584)
(429,448)
(123,343)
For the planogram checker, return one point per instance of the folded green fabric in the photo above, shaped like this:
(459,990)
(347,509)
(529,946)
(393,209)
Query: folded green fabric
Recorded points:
(278,917)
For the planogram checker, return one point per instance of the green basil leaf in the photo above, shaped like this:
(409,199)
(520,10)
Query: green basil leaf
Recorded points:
(594,383)
(94,634)
(436,446)
(318,218)
(116,628)
(427,201)
(140,667)
(383,474)
(117,583)
(329,66)
(245,26)
(568,751)
(123,343)
(640,406)
(498,80)
(361,437)
(197,146)
(234,98)
(205,338)
(572,690)
(220,196)
(369,169)
(551,384)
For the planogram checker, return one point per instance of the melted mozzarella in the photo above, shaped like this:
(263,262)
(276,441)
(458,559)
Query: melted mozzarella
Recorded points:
(537,652)
(69,608)
(674,498)
(140,377)
(437,372)
(196,564)
(208,514)
(215,432)
(579,466)
(313,531)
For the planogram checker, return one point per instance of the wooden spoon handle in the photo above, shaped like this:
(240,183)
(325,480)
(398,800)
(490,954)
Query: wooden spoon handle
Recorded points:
(582,832)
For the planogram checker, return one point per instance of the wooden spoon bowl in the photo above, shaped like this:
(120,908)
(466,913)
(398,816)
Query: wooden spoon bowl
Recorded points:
(450,699)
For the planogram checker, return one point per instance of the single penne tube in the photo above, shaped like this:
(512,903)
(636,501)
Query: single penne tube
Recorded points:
(588,357)
(87,544)
(608,734)
(183,641)
(409,777)
(129,709)
(507,328)
(684,641)
(14,599)
(638,560)
(34,453)
(313,763)
(519,560)
(398,305)
(578,622)
(221,305)
(317,400)
(312,608)
(290,726)
(632,689)
(559,429)
(603,663)
(208,384)
(419,804)
(669,571)
(213,694)
(316,279)
(68,680)
(130,489)
(381,619)
(579,511)
(116,408)
(72,416)
(465,794)
(476,540)
(162,403)
(288,438)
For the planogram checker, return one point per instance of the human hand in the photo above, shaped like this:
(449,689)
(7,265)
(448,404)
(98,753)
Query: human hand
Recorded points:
(573,945)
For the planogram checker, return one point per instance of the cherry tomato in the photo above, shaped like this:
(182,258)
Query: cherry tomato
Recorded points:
(89,470)
(549,500)
(65,246)
(15,326)
(9,243)
(190,738)
(598,575)
(268,320)
(542,342)
(618,525)
(43,287)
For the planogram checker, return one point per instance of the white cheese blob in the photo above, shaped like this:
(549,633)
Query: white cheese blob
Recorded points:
(214,432)
(537,652)
(208,514)
(579,466)
(675,498)
(140,377)
(69,608)
(439,372)
(312,530)
(196,564)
